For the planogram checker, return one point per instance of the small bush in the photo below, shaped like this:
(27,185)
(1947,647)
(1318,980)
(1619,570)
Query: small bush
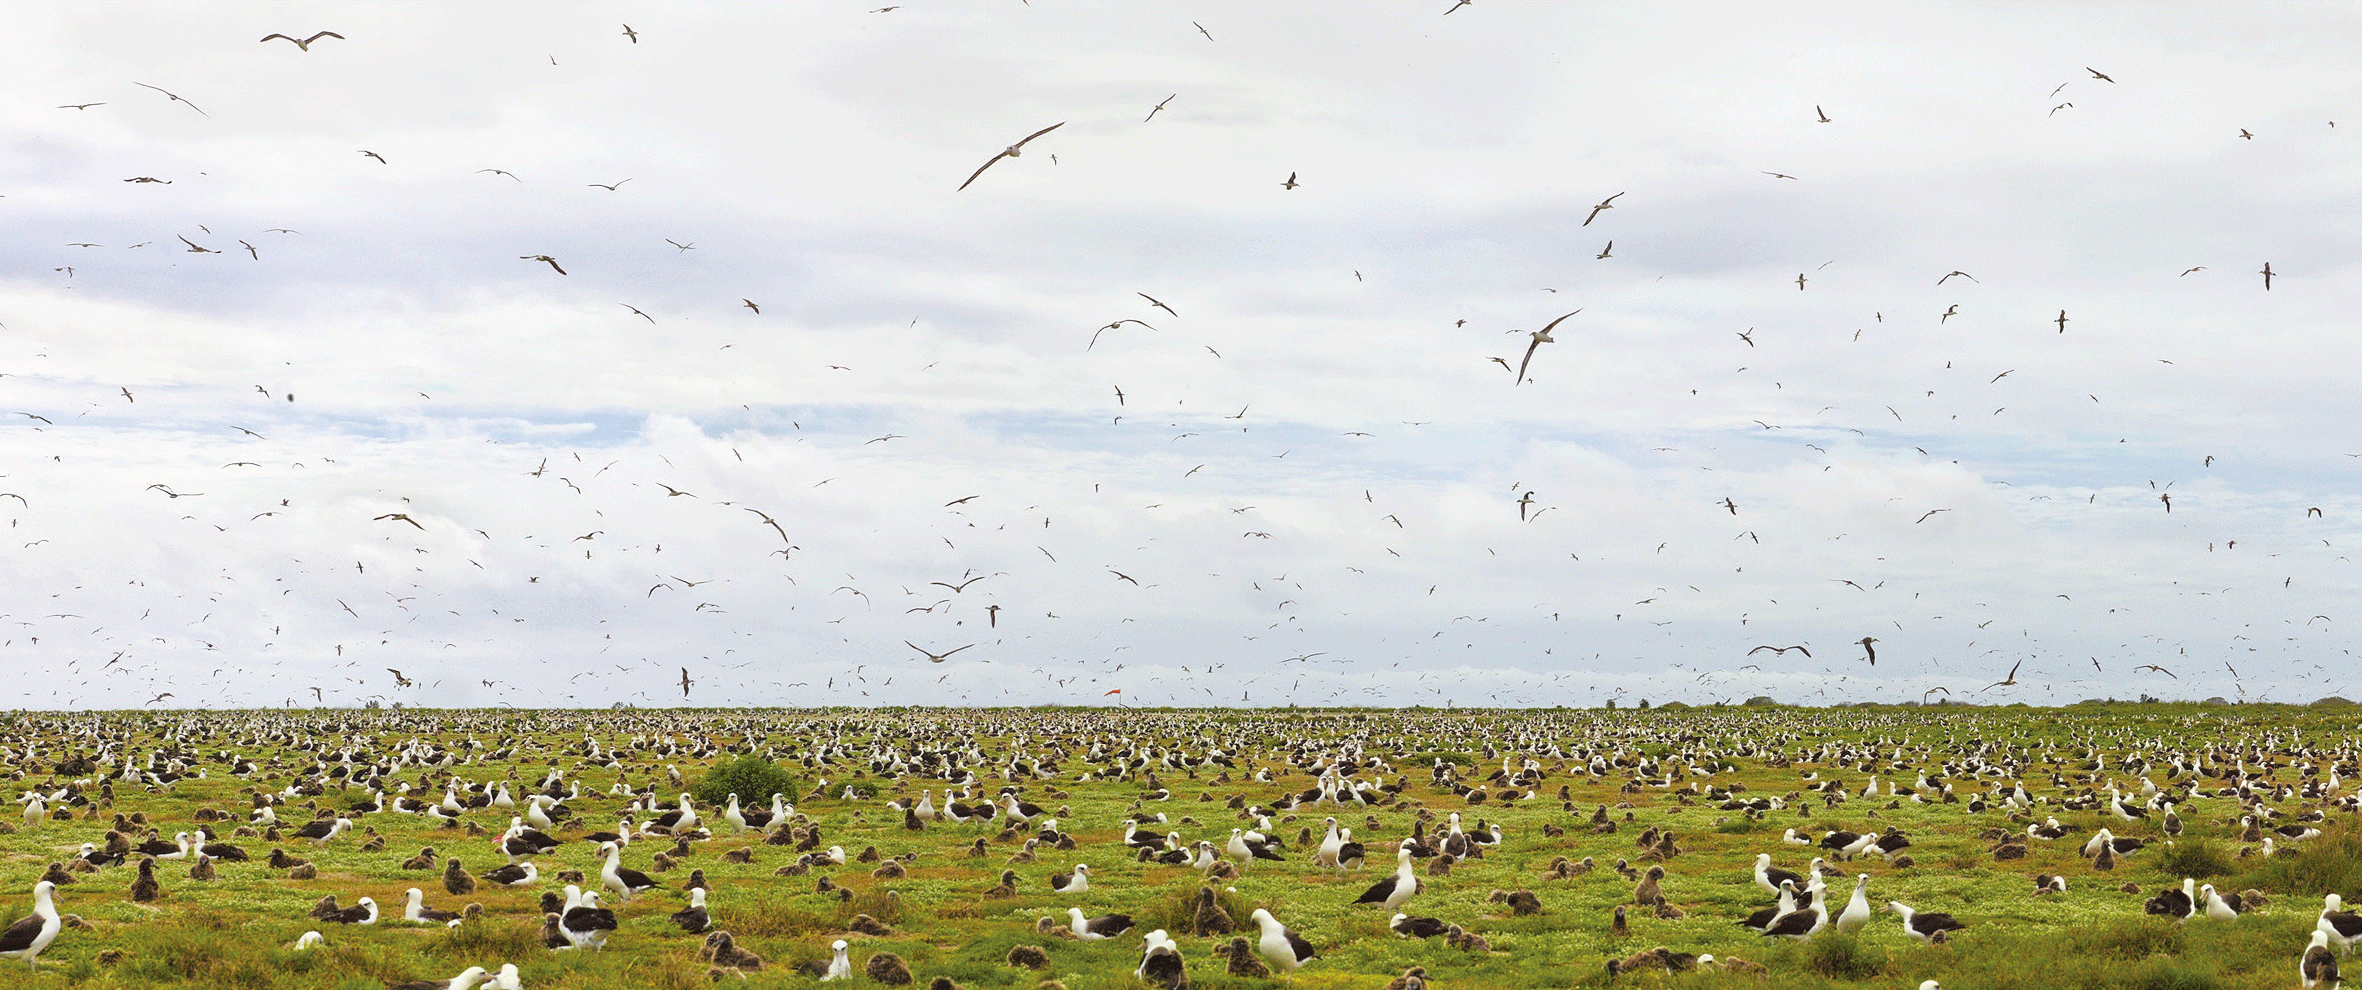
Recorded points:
(1178,907)
(752,778)
(2201,860)
(2171,974)
(2129,938)
(1839,956)
(2329,863)
(770,919)
(487,938)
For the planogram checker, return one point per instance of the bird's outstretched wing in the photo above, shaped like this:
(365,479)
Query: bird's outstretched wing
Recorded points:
(1008,152)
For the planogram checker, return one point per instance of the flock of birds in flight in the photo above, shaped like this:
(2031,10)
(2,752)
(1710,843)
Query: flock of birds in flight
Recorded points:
(1526,503)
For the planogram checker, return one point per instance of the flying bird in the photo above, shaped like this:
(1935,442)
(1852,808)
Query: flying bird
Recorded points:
(1095,335)
(2097,74)
(2158,669)
(306,43)
(175,97)
(1012,151)
(636,311)
(2266,273)
(774,524)
(2062,321)
(618,184)
(553,262)
(934,657)
(1291,184)
(1605,204)
(685,682)
(380,158)
(81,106)
(399,517)
(498,171)
(1823,114)
(1541,337)
(1152,111)
(194,249)
(1201,29)
(1948,278)
(399,680)
(1152,301)
(1781,650)
(1606,252)
(750,304)
(633,35)
(2012,679)
(1930,513)
(1871,650)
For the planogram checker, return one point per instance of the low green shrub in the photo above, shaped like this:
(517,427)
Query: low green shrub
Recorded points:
(752,778)
(2199,859)
(1839,956)
(2329,863)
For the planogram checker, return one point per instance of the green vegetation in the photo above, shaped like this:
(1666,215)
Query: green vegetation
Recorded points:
(2198,858)
(1663,769)
(753,778)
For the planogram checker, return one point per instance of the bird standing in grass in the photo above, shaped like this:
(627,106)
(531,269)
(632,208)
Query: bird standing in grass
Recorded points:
(1285,950)
(1924,926)
(1394,890)
(32,933)
(1857,908)
(840,967)
(146,888)
(1161,962)
(2319,963)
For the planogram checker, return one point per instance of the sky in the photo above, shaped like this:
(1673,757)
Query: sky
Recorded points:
(1209,396)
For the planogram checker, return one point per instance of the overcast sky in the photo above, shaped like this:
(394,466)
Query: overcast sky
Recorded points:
(362,429)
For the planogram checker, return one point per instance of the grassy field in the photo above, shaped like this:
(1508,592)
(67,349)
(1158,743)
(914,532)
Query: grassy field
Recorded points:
(235,930)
